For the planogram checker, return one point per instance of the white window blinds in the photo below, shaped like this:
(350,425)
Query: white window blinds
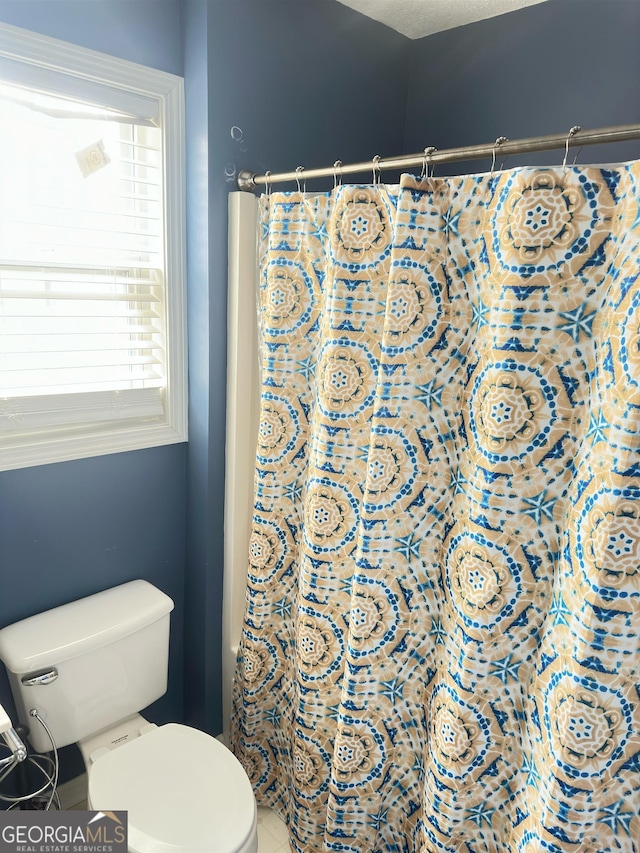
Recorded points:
(84,331)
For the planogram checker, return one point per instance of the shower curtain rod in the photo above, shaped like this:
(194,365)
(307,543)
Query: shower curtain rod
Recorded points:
(249,182)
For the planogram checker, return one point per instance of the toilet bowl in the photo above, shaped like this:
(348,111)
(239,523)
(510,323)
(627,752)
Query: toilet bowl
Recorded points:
(183,791)
(88,668)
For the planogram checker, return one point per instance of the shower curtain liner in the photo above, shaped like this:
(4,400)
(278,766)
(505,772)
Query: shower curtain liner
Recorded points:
(440,647)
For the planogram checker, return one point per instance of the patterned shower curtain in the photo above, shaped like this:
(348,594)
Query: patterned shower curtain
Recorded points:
(440,650)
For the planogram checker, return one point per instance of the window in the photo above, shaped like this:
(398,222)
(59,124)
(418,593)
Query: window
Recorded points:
(92,342)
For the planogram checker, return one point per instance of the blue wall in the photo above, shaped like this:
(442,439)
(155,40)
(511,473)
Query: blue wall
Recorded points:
(536,71)
(144,31)
(202,532)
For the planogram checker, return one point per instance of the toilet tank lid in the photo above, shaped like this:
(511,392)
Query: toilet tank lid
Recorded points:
(66,632)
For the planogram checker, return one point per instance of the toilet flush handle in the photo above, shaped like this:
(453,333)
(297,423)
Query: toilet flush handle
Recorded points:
(45,676)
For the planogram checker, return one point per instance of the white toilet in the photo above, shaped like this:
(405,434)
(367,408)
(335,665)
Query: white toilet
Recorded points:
(88,668)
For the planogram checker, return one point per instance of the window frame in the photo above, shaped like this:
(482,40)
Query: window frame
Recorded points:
(86,67)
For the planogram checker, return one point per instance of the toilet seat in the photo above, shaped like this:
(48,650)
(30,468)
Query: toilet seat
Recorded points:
(183,791)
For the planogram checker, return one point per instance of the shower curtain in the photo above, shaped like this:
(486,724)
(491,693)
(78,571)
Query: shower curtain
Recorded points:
(440,649)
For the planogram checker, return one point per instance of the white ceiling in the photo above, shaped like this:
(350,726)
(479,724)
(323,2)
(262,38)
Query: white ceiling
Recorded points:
(418,18)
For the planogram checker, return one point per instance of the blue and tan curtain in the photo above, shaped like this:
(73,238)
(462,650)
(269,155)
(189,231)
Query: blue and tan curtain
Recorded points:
(440,650)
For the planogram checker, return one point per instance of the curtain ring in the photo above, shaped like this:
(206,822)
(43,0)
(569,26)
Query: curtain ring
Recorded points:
(575,129)
(376,170)
(425,162)
(267,185)
(499,141)
(337,170)
(299,171)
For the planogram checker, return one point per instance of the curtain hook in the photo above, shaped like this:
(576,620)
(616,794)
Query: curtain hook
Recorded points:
(425,162)
(499,141)
(376,170)
(337,169)
(267,185)
(575,129)
(299,171)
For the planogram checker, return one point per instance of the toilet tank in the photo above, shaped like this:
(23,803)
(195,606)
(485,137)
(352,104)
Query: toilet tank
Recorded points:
(89,664)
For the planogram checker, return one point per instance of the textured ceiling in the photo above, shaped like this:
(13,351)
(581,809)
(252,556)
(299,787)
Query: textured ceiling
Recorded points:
(418,18)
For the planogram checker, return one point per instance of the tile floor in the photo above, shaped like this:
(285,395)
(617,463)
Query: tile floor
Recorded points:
(273,836)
